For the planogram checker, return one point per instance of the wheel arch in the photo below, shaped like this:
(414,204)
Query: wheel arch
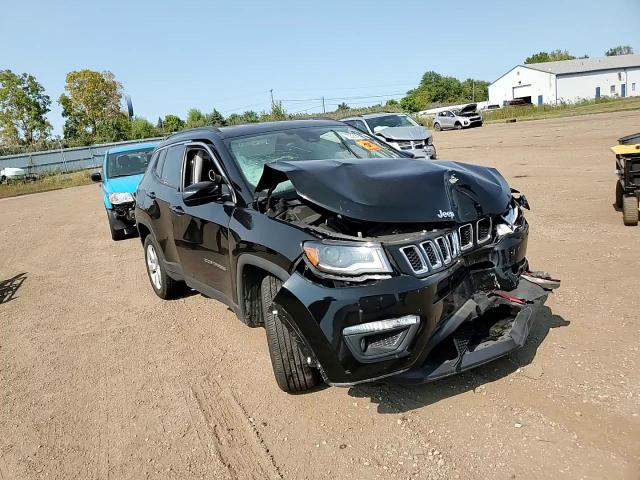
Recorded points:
(250,270)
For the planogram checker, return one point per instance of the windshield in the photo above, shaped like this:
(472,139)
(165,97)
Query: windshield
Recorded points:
(253,152)
(131,162)
(391,121)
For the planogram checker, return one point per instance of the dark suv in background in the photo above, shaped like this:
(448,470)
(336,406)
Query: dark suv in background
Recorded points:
(360,263)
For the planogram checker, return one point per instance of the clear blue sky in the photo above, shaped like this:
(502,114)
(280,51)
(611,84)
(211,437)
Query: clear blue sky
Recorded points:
(171,56)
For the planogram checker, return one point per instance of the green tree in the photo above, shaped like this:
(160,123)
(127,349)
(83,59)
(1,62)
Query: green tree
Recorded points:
(250,117)
(91,104)
(620,50)
(553,56)
(23,108)
(216,119)
(235,119)
(392,103)
(172,123)
(195,118)
(278,112)
(160,125)
(142,128)
(343,106)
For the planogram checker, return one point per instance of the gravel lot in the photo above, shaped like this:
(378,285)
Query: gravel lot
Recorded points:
(101,379)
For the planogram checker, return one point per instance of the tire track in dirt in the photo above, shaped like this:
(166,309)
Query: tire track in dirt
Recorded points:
(229,434)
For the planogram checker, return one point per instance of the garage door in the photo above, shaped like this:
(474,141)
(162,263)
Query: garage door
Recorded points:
(522,91)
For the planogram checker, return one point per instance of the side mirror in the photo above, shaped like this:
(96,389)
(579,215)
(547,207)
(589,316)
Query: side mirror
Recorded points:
(96,177)
(201,192)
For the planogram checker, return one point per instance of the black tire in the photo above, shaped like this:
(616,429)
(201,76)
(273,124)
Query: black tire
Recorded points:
(3,179)
(290,368)
(116,234)
(458,126)
(163,285)
(630,210)
(435,154)
(437,127)
(619,194)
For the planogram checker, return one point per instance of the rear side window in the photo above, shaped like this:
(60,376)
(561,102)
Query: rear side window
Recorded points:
(157,166)
(172,166)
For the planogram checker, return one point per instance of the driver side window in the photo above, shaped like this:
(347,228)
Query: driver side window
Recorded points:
(198,167)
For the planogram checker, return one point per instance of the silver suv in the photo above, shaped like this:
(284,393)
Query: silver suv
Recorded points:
(398,130)
(465,117)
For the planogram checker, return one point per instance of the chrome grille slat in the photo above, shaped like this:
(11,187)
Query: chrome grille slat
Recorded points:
(445,253)
(414,259)
(431,253)
(466,237)
(483,225)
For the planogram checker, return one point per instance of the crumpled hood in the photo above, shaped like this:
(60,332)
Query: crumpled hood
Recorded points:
(398,190)
(404,133)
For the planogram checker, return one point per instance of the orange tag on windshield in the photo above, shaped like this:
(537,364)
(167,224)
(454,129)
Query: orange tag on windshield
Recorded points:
(368,145)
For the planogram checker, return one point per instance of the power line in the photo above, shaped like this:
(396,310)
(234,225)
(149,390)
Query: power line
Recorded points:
(360,97)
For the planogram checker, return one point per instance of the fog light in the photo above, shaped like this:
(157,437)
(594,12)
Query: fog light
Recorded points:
(381,340)
(382,325)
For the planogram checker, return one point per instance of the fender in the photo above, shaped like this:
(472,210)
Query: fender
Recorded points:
(253,260)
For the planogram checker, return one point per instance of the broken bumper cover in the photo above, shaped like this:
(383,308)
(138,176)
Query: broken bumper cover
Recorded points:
(417,329)
(122,216)
(514,327)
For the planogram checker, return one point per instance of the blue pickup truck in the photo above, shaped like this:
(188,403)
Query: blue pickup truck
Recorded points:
(121,172)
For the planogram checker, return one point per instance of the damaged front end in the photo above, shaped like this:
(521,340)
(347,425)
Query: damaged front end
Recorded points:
(443,288)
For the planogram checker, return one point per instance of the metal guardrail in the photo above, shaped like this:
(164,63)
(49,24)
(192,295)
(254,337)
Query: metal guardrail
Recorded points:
(65,159)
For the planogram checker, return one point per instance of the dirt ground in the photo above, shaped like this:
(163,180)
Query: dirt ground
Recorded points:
(101,379)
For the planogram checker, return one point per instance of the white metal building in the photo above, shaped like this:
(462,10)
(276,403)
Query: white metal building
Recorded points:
(569,81)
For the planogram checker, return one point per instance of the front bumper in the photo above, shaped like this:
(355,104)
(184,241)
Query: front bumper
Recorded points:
(122,216)
(447,303)
(429,151)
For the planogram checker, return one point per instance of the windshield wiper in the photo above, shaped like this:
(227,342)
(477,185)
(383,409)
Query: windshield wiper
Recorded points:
(344,144)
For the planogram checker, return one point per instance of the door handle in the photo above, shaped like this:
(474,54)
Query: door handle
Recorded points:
(178,210)
(151,195)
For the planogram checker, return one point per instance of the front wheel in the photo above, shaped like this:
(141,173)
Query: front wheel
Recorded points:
(163,285)
(116,234)
(630,210)
(458,126)
(293,374)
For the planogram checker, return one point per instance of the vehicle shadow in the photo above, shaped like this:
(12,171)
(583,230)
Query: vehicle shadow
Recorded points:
(399,398)
(10,286)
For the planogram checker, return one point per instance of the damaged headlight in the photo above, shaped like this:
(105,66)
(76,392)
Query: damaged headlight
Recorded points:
(345,259)
(120,197)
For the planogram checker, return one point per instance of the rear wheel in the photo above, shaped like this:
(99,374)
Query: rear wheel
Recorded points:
(437,127)
(619,194)
(163,285)
(290,368)
(630,210)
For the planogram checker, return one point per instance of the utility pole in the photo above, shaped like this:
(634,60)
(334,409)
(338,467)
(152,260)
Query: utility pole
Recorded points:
(323,110)
(473,89)
(271,92)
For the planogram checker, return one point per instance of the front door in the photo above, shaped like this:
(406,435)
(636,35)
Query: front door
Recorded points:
(201,232)
(623,90)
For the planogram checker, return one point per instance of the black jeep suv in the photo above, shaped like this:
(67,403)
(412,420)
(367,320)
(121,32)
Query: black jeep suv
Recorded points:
(360,262)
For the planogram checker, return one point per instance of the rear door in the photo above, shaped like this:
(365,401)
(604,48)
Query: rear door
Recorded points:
(201,232)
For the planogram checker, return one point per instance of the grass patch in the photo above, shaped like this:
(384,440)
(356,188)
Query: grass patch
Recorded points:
(534,112)
(45,183)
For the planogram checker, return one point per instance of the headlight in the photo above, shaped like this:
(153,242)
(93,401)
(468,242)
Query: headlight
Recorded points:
(347,259)
(120,197)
